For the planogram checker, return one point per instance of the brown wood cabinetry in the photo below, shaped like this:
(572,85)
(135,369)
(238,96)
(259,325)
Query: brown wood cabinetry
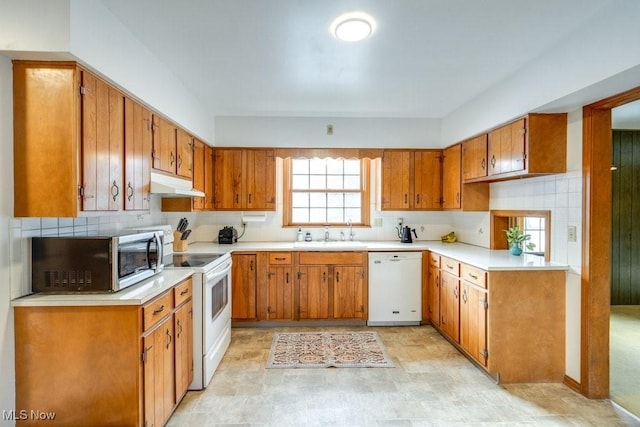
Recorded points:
(183,324)
(280,287)
(244,179)
(244,286)
(199,169)
(410,180)
(489,317)
(103,365)
(474,158)
(68,141)
(433,288)
(184,149)
(332,285)
(137,161)
(164,145)
(458,195)
(532,145)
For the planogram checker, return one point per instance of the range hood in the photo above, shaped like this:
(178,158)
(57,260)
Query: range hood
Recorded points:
(171,186)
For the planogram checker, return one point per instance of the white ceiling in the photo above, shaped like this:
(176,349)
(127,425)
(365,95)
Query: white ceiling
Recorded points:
(277,57)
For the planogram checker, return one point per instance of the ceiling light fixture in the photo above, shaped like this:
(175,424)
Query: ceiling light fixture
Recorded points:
(353,26)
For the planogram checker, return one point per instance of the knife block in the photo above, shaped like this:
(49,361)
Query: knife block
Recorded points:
(178,245)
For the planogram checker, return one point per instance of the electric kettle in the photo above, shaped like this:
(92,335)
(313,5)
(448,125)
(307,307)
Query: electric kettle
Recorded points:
(405,234)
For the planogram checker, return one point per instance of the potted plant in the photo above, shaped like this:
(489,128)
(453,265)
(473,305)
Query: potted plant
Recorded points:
(515,239)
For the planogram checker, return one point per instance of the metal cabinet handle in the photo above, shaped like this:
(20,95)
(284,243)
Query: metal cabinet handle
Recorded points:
(186,291)
(237,198)
(129,191)
(251,265)
(117,191)
(493,161)
(406,199)
(417,199)
(250,198)
(455,292)
(280,258)
(172,158)
(457,197)
(179,329)
(337,276)
(158,310)
(324,276)
(483,163)
(179,161)
(169,338)
(464,295)
(287,277)
(473,276)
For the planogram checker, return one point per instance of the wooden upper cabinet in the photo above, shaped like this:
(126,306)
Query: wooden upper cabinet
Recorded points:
(199,178)
(208,178)
(410,180)
(68,141)
(451,184)
(244,179)
(474,158)
(184,149)
(227,183)
(164,145)
(427,178)
(396,180)
(102,145)
(137,158)
(530,146)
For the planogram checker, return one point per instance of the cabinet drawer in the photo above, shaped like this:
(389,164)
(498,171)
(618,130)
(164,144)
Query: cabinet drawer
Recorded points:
(450,265)
(473,275)
(183,291)
(434,260)
(327,258)
(280,258)
(157,309)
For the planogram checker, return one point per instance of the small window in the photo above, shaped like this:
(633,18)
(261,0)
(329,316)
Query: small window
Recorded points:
(326,191)
(534,226)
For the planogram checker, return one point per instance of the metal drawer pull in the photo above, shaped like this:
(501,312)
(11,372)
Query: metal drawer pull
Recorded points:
(473,276)
(158,310)
(186,291)
(280,258)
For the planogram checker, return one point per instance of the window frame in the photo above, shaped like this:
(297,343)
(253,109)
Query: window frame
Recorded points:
(365,195)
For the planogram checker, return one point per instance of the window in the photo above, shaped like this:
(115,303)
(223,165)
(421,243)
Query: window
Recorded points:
(535,226)
(326,191)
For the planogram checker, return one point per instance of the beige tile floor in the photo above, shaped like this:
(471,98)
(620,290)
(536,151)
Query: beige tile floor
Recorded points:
(432,385)
(624,382)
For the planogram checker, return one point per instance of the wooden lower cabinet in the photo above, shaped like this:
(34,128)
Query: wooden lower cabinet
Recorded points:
(512,323)
(348,292)
(433,289)
(280,284)
(244,276)
(449,305)
(103,365)
(314,292)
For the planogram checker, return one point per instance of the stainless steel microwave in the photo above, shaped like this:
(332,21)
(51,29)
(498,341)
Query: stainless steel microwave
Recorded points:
(94,263)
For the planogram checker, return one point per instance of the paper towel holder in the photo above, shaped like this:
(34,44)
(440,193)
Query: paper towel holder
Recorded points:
(254,217)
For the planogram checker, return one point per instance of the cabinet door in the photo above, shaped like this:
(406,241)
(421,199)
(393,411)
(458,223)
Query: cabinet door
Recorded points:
(314,292)
(164,145)
(473,322)
(514,151)
(396,180)
(243,286)
(208,177)
(137,159)
(158,359)
(348,292)
(102,145)
(451,178)
(227,185)
(199,172)
(260,189)
(449,305)
(474,157)
(433,295)
(280,293)
(183,326)
(184,148)
(427,177)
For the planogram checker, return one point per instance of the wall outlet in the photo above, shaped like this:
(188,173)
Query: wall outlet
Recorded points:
(377,222)
(572,233)
(400,221)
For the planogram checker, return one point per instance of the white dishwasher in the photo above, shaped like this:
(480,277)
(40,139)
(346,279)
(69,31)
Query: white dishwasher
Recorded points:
(395,288)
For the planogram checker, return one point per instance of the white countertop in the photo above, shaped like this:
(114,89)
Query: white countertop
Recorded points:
(137,294)
(476,256)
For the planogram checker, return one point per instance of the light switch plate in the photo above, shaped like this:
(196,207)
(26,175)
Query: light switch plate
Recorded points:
(572,233)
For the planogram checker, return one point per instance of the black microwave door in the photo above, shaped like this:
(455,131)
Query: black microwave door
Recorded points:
(70,264)
(137,256)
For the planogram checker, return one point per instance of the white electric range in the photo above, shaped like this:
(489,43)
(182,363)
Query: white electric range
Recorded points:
(211,306)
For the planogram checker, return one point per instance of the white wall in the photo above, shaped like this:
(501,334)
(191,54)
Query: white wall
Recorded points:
(7,372)
(598,53)
(312,132)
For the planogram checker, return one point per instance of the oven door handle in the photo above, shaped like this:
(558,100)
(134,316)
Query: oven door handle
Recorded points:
(220,271)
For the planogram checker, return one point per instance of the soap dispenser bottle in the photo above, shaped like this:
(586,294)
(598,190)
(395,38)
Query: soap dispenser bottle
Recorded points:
(300,236)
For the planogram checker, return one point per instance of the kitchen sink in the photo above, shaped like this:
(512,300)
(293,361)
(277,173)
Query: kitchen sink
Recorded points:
(331,244)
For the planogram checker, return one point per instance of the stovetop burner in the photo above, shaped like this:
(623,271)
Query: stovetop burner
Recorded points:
(190,260)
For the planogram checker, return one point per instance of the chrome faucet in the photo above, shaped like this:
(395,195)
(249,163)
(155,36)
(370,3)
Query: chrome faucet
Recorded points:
(326,233)
(350,224)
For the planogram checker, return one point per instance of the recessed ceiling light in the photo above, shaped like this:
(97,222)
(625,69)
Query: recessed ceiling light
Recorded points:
(353,26)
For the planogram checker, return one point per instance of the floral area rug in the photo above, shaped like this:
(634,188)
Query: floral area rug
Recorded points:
(328,349)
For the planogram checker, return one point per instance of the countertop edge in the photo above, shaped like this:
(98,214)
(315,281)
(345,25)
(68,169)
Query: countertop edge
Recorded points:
(138,294)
